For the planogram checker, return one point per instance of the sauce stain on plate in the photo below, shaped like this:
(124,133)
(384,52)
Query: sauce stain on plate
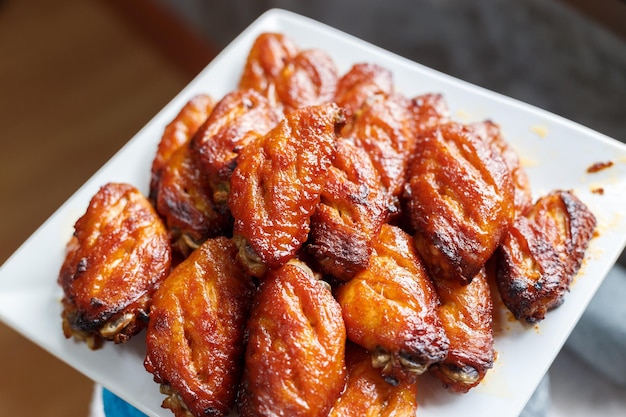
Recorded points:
(540,130)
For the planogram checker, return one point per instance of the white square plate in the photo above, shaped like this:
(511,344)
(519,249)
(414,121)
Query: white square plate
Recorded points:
(555,151)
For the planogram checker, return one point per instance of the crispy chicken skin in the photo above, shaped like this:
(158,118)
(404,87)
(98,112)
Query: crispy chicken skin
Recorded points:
(490,132)
(367,394)
(195,338)
(428,110)
(178,132)
(541,253)
(117,257)
(460,200)
(384,128)
(266,59)
(390,309)
(308,79)
(277,183)
(352,209)
(295,354)
(466,312)
(238,119)
(361,82)
(183,199)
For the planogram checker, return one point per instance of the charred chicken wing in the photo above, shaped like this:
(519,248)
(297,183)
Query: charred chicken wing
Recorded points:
(119,254)
(541,253)
(238,119)
(352,209)
(466,312)
(523,195)
(178,132)
(428,110)
(361,82)
(277,183)
(295,355)
(308,79)
(390,309)
(460,200)
(266,59)
(183,199)
(195,338)
(384,128)
(368,394)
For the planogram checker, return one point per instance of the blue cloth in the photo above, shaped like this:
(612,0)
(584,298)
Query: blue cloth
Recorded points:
(114,406)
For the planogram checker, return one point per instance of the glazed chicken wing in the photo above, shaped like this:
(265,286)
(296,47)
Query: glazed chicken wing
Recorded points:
(352,209)
(460,200)
(490,132)
(295,355)
(195,338)
(361,82)
(541,253)
(183,199)
(266,59)
(367,394)
(428,110)
(384,128)
(277,183)
(238,119)
(308,79)
(178,132)
(466,313)
(119,254)
(390,309)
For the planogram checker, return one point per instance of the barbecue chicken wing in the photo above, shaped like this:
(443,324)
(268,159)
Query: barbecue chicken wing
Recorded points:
(195,338)
(466,312)
(295,354)
(384,129)
(308,79)
(266,59)
(490,132)
(183,199)
(119,254)
(386,126)
(178,132)
(390,309)
(428,110)
(238,119)
(460,200)
(352,209)
(368,394)
(541,253)
(362,81)
(277,183)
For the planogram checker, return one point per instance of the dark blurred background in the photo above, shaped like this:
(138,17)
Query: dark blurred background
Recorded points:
(564,56)
(79,78)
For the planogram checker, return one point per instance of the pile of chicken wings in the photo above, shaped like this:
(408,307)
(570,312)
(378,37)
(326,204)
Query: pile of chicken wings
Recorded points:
(312,242)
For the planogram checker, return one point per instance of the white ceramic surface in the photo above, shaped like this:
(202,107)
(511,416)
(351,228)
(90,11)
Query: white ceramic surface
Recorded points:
(555,151)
